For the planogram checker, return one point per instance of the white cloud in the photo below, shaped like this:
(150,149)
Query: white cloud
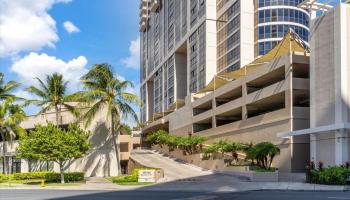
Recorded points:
(26,26)
(39,65)
(133,61)
(70,27)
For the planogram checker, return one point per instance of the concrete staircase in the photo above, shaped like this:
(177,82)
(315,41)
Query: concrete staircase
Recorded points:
(173,170)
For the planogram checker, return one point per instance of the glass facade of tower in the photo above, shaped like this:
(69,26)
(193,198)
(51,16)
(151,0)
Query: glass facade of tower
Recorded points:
(274,18)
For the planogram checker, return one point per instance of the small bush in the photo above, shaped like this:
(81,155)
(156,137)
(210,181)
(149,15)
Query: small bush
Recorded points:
(4,177)
(328,176)
(69,177)
(29,175)
(132,178)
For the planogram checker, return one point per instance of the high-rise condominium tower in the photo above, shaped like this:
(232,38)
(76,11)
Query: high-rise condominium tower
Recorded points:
(184,43)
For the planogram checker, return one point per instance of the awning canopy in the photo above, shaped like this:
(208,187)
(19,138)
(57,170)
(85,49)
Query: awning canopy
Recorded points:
(215,83)
(176,105)
(290,43)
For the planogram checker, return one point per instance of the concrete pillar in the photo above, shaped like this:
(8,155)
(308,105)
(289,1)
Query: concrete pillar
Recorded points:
(213,122)
(341,147)
(244,97)
(313,150)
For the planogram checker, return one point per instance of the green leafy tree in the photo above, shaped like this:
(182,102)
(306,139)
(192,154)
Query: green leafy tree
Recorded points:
(10,116)
(105,90)
(52,94)
(51,143)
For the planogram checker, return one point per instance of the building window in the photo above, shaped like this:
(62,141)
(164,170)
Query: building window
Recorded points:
(124,147)
(16,165)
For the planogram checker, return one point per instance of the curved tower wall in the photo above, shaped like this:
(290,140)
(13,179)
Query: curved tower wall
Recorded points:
(274,18)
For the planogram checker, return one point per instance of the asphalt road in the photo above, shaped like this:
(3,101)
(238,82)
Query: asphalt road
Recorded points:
(157,195)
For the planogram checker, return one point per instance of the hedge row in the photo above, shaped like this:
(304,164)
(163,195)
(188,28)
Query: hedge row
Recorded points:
(47,176)
(189,144)
(328,176)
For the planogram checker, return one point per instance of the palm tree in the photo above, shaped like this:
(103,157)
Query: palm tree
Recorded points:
(105,90)
(10,116)
(53,95)
(7,88)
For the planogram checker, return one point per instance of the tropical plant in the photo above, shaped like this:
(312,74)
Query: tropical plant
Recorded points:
(189,144)
(52,143)
(333,175)
(209,151)
(7,88)
(233,148)
(263,153)
(11,115)
(103,90)
(159,137)
(225,147)
(52,94)
(125,129)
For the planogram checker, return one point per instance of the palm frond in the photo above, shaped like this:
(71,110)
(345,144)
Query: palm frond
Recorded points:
(130,98)
(88,116)
(36,91)
(11,85)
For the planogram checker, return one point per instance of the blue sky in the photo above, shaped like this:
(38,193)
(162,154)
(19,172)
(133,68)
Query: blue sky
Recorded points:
(68,36)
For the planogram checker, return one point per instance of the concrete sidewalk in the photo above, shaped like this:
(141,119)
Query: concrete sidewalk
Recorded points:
(211,183)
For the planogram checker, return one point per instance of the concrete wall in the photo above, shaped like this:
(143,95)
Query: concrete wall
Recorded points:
(330,85)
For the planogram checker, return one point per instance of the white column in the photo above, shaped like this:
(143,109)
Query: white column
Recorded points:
(313,145)
(341,147)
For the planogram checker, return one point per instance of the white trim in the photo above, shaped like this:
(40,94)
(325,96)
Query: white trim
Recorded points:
(284,6)
(316,130)
(276,39)
(283,23)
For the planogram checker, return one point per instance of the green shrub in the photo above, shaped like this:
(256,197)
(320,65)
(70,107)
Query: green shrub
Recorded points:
(47,176)
(329,176)
(29,175)
(189,144)
(132,178)
(69,177)
(4,177)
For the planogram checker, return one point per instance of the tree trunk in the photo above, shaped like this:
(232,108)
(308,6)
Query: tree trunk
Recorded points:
(116,146)
(61,172)
(3,153)
(57,116)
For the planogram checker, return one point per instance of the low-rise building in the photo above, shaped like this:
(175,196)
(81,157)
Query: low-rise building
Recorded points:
(101,159)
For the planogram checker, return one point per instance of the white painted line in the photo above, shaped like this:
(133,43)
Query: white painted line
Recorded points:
(198,198)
